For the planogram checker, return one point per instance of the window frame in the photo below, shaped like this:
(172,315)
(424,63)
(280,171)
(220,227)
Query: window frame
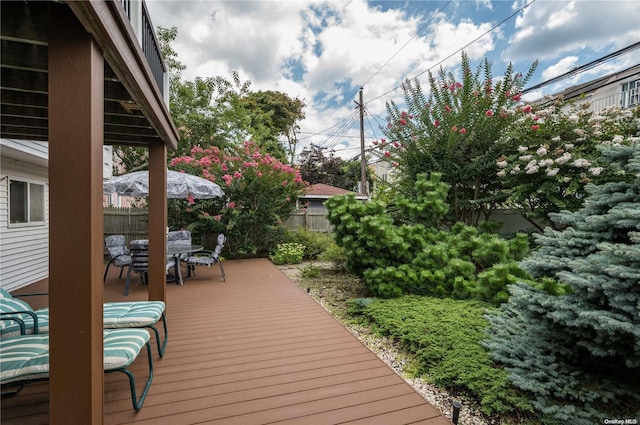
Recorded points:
(630,93)
(29,182)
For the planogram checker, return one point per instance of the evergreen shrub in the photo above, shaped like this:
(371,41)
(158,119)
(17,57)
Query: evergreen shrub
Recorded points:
(444,335)
(576,350)
(418,256)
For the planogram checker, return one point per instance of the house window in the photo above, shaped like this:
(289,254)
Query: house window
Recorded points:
(26,203)
(631,94)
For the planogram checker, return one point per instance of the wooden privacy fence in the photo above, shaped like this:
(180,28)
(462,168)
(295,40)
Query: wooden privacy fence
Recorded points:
(314,220)
(133,223)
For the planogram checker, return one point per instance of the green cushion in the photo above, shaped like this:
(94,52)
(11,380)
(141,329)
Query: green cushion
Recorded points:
(132,314)
(26,357)
(9,304)
(122,346)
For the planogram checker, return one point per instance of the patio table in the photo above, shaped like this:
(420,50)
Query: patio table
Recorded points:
(176,251)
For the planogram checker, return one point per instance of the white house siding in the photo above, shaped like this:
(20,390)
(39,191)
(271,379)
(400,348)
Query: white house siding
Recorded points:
(24,251)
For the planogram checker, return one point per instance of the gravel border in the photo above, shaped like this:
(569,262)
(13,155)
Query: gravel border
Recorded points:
(389,352)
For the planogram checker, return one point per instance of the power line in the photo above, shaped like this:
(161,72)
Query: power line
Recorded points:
(405,44)
(382,66)
(585,67)
(328,135)
(371,126)
(459,50)
(348,124)
(311,134)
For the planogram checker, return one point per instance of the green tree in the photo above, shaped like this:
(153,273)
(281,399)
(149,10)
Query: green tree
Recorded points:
(283,115)
(577,352)
(216,111)
(453,132)
(318,167)
(260,192)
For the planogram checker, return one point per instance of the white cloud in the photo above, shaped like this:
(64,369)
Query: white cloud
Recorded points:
(562,66)
(336,42)
(550,29)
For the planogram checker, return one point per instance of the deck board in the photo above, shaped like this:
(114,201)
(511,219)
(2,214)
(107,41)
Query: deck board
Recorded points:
(255,349)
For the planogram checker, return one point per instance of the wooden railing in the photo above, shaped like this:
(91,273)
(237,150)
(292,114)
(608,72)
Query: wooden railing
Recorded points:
(147,38)
(151,49)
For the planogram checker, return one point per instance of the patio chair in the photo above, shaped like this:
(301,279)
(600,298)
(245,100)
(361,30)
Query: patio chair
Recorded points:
(207,258)
(25,359)
(139,250)
(179,237)
(18,317)
(118,252)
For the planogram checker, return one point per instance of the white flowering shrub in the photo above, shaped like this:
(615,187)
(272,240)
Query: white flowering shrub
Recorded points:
(551,154)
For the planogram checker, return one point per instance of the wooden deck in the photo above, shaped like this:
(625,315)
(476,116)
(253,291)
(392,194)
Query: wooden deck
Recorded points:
(252,350)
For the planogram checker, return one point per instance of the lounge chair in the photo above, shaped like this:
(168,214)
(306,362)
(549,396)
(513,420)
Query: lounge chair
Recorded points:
(25,358)
(137,314)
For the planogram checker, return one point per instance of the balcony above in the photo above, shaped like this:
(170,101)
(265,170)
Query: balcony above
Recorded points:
(135,79)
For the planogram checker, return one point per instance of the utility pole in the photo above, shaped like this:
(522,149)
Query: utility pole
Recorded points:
(363,160)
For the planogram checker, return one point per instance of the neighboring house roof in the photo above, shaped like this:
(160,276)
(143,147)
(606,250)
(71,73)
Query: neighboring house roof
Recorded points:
(325,191)
(592,85)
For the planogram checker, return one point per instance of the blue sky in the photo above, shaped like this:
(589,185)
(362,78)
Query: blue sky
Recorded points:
(324,51)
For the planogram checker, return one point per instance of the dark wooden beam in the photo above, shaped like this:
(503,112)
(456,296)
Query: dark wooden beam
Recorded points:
(108,23)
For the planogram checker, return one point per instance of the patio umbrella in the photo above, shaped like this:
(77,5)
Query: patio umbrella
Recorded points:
(179,185)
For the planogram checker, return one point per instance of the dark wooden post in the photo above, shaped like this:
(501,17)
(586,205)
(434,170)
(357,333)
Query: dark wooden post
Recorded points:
(157,221)
(76,133)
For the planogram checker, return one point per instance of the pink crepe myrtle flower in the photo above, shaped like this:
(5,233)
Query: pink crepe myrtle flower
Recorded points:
(489,113)
(403,122)
(237,174)
(224,167)
(387,154)
(205,214)
(526,109)
(217,217)
(454,128)
(463,130)
(436,123)
(231,205)
(535,127)
(191,200)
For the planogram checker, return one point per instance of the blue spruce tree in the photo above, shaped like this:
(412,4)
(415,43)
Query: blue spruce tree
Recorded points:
(578,352)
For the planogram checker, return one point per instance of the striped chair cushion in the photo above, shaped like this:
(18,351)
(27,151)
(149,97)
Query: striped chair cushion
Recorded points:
(132,314)
(9,304)
(26,357)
